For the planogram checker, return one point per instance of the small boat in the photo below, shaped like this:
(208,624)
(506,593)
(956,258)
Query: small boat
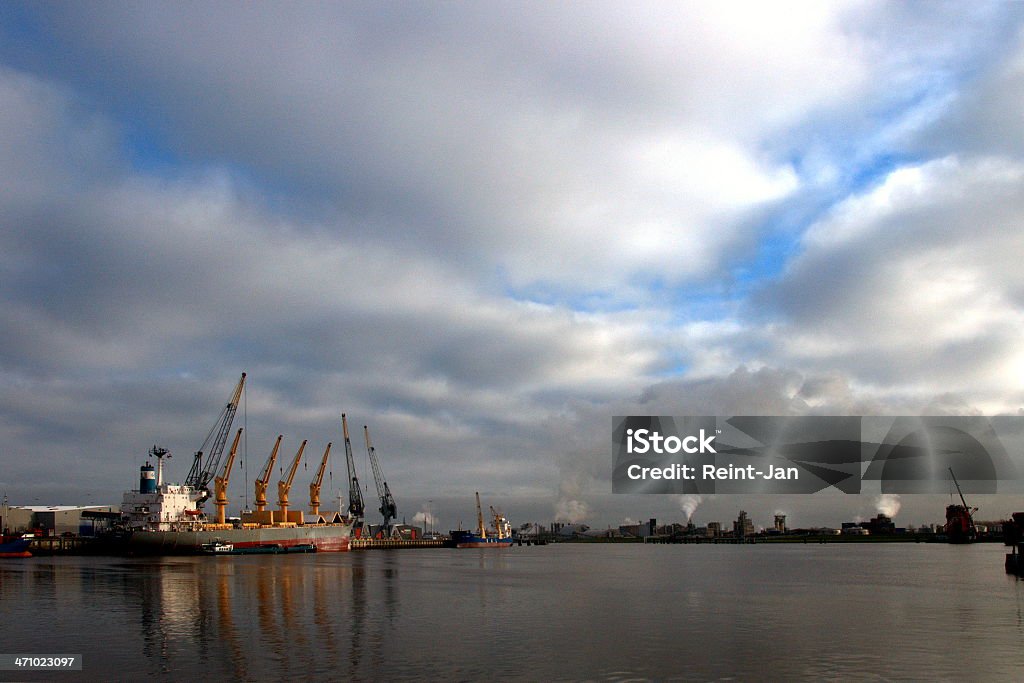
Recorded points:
(216,548)
(15,545)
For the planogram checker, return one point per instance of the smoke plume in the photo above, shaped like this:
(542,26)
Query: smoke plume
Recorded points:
(689,503)
(425,519)
(888,504)
(572,511)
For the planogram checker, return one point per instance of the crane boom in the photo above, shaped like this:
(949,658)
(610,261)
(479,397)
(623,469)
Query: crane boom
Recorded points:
(264,478)
(957,484)
(220,484)
(388,509)
(355,496)
(480,517)
(314,486)
(285,485)
(960,520)
(202,472)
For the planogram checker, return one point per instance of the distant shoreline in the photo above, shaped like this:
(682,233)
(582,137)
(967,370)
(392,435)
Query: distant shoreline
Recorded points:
(836,538)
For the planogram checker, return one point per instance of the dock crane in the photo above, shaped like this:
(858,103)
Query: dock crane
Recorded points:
(220,484)
(480,518)
(264,478)
(355,496)
(202,472)
(314,486)
(387,508)
(285,485)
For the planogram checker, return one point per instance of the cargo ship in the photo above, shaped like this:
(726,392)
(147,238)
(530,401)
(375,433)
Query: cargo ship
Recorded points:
(498,535)
(162,518)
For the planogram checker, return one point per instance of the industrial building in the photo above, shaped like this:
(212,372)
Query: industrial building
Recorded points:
(743,527)
(57,520)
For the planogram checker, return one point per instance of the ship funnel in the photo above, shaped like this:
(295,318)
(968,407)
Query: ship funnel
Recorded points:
(147,479)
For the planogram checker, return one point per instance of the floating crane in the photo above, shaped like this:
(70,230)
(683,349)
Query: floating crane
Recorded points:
(264,478)
(285,485)
(355,496)
(387,508)
(960,519)
(220,484)
(314,486)
(202,472)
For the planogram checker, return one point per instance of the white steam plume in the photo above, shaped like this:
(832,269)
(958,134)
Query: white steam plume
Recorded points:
(425,519)
(888,504)
(572,511)
(689,503)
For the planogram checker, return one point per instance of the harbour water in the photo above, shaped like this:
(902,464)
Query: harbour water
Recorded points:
(868,611)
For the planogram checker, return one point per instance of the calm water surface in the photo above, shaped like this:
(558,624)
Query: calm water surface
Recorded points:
(567,611)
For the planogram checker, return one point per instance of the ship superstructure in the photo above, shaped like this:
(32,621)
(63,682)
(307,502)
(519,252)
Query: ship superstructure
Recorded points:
(157,506)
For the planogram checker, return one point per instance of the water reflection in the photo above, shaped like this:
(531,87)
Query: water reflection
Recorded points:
(359,607)
(552,613)
(226,622)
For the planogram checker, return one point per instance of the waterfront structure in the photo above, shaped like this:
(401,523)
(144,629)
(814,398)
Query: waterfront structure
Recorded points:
(54,520)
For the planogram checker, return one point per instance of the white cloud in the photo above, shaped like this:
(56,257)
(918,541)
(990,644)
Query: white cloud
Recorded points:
(912,282)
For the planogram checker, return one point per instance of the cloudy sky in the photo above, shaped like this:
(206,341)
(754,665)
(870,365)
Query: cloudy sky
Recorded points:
(485,228)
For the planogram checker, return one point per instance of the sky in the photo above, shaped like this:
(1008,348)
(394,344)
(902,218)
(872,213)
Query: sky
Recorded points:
(483,229)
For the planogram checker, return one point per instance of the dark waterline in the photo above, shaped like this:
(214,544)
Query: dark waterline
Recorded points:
(561,612)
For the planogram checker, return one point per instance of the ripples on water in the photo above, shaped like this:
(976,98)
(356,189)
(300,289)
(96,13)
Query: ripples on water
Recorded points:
(561,612)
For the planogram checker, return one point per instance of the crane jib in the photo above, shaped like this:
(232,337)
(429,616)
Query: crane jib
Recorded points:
(202,473)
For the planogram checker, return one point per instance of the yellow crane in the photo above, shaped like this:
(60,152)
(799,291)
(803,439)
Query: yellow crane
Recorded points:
(480,518)
(264,478)
(220,484)
(285,485)
(314,486)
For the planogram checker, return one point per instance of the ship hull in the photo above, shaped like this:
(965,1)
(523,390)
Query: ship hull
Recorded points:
(468,539)
(327,538)
(14,547)
(959,525)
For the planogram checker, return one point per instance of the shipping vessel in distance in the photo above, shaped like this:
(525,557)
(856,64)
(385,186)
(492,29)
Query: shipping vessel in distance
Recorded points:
(498,535)
(165,518)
